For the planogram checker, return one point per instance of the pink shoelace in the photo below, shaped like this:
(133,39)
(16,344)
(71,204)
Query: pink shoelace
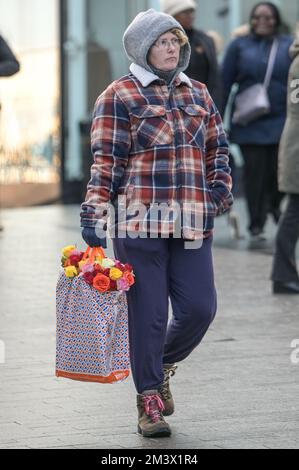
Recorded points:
(153,406)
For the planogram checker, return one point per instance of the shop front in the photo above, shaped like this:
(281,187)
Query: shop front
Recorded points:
(30,117)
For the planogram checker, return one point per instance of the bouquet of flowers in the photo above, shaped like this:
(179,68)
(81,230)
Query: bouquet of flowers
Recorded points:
(102,273)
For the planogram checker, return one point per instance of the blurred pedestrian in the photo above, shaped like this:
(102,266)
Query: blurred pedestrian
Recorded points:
(247,61)
(285,273)
(218,42)
(9,65)
(157,137)
(203,65)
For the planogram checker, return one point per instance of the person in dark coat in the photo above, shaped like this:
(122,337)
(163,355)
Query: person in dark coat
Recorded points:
(285,274)
(8,66)
(245,63)
(203,65)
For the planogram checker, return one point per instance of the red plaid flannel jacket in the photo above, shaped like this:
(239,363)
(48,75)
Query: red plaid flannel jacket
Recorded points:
(153,144)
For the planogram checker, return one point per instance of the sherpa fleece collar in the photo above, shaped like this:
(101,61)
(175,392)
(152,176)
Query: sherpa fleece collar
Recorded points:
(146,78)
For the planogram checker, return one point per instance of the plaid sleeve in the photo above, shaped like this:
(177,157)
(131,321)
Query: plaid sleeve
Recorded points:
(217,160)
(110,145)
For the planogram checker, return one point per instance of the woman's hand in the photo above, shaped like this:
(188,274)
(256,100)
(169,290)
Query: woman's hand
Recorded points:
(92,240)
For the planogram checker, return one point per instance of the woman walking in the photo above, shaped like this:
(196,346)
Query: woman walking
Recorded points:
(157,138)
(246,63)
(285,273)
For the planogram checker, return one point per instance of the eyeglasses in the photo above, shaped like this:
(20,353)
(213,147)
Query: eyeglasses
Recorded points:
(263,17)
(165,43)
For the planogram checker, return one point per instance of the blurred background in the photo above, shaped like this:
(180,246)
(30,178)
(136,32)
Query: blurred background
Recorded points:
(69,51)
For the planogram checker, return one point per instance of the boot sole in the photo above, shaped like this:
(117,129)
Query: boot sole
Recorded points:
(162,433)
(169,413)
(284,290)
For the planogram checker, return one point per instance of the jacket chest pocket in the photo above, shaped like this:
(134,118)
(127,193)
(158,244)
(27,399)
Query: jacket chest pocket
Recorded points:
(194,121)
(151,126)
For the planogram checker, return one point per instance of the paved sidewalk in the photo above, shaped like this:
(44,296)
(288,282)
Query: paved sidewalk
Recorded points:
(238,389)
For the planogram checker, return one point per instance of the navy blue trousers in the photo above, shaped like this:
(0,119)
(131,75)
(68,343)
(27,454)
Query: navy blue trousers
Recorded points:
(165,269)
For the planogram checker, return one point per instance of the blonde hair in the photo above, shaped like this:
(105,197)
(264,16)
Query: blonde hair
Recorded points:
(180,35)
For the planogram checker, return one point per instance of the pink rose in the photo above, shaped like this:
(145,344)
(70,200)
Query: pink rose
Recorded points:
(122,284)
(87,268)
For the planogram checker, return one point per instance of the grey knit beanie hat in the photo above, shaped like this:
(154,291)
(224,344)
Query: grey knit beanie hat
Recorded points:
(144,30)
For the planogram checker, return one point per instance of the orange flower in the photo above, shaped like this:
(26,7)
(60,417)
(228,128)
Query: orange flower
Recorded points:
(129,278)
(101,283)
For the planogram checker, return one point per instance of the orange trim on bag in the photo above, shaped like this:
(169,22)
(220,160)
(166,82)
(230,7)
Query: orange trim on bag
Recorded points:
(91,253)
(86,253)
(100,252)
(112,378)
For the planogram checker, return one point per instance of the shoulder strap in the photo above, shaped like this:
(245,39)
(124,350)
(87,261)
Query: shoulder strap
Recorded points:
(271,62)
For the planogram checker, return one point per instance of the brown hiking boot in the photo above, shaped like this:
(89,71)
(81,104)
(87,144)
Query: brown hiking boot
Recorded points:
(169,371)
(150,419)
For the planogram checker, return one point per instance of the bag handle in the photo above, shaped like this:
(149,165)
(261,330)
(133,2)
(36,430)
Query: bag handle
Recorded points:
(91,253)
(271,63)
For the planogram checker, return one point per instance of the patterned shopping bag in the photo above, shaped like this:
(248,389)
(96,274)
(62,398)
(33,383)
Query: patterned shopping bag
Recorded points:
(91,331)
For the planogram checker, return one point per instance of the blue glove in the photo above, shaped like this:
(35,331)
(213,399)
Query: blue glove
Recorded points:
(90,237)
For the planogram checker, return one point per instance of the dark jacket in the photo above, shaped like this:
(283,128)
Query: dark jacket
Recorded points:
(8,63)
(203,49)
(245,64)
(289,144)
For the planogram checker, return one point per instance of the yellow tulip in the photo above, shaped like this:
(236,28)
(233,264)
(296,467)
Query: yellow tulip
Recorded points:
(71,271)
(115,274)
